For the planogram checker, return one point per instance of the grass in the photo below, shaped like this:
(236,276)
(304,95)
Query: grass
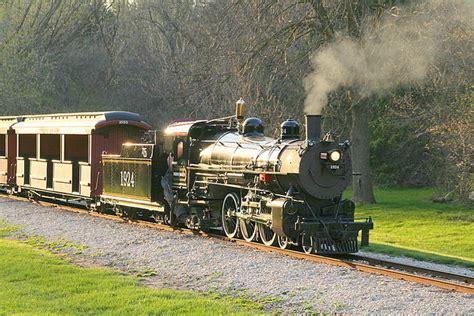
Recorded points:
(408,223)
(6,230)
(35,281)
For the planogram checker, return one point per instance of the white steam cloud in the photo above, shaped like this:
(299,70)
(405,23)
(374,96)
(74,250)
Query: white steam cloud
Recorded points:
(399,51)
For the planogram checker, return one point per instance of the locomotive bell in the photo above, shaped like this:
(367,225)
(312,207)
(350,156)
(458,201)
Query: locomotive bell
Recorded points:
(240,110)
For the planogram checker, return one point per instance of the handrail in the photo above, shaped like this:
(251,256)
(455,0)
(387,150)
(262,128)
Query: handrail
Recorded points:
(97,180)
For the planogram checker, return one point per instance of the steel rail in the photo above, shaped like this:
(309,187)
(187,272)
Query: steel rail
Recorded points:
(411,268)
(400,275)
(458,287)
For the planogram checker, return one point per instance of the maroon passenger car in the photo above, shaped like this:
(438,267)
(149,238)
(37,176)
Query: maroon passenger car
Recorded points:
(60,154)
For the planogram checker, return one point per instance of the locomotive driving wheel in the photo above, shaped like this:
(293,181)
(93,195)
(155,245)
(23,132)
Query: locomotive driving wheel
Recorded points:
(283,242)
(267,235)
(248,229)
(230,206)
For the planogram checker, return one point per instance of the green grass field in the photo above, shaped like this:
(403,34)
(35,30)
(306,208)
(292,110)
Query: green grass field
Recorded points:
(34,281)
(407,222)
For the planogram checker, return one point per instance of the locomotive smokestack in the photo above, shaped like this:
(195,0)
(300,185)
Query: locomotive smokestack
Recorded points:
(313,127)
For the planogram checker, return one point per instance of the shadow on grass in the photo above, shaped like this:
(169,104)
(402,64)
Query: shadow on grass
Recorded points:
(416,254)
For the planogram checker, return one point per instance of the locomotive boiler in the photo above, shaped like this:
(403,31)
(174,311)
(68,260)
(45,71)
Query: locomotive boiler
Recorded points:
(226,174)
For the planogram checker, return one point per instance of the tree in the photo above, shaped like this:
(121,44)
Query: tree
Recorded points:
(362,188)
(173,59)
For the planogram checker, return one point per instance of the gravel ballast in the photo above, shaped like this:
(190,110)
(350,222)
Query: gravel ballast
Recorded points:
(201,264)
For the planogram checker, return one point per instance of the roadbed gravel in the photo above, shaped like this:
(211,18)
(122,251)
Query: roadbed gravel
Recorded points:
(187,262)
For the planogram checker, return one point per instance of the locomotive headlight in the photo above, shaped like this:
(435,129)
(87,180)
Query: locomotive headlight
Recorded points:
(335,155)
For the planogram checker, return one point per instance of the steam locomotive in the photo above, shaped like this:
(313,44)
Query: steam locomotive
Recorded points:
(203,174)
(225,173)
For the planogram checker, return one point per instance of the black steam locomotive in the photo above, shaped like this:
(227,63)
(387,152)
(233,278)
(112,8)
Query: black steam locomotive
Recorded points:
(226,174)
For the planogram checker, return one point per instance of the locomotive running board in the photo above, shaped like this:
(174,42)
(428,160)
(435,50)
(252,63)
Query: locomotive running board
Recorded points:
(110,199)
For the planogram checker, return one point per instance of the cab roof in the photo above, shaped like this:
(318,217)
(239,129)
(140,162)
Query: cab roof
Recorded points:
(181,127)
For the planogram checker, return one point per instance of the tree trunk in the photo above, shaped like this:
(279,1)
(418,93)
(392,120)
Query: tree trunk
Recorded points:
(362,190)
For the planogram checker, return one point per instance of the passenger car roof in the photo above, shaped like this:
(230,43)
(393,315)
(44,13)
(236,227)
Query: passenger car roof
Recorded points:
(6,122)
(76,123)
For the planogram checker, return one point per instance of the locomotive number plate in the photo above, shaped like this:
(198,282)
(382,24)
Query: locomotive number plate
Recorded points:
(127,179)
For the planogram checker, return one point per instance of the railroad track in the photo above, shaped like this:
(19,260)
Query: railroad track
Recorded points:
(373,267)
(441,279)
(412,269)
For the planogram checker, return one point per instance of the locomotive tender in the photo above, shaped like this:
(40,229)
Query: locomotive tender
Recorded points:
(225,173)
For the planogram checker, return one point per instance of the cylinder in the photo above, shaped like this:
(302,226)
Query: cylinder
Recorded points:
(313,127)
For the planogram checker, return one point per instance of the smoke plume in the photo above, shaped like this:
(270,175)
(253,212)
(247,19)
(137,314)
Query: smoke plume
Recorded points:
(398,51)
